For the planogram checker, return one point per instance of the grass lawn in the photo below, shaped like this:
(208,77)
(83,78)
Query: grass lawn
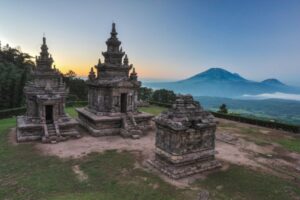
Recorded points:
(241,183)
(72,112)
(26,174)
(291,144)
(155,110)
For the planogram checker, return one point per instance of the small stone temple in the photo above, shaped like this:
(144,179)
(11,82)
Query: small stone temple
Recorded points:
(45,118)
(113,95)
(185,139)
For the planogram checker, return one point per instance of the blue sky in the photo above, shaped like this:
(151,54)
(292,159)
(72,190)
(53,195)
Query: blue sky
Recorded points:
(165,39)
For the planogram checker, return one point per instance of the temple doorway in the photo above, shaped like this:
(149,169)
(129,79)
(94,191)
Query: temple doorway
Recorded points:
(49,114)
(124,102)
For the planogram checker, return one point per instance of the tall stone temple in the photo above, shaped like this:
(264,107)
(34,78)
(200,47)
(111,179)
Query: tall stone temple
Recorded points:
(113,95)
(45,118)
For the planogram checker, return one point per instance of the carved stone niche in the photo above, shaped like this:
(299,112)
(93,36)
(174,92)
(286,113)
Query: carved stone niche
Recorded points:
(185,139)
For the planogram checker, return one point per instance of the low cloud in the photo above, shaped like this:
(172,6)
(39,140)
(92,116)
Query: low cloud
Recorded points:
(276,95)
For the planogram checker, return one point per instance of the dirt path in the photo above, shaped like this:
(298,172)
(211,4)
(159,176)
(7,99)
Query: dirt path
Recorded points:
(80,147)
(231,146)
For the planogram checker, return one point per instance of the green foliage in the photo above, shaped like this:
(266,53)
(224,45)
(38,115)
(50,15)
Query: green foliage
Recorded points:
(164,96)
(241,183)
(223,109)
(145,93)
(15,67)
(78,90)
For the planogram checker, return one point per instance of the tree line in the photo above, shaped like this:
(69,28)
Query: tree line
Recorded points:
(161,95)
(15,71)
(15,67)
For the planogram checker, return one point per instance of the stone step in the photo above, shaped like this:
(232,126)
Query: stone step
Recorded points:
(51,129)
(51,132)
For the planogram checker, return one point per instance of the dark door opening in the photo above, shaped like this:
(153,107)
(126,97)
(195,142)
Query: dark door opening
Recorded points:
(124,102)
(49,114)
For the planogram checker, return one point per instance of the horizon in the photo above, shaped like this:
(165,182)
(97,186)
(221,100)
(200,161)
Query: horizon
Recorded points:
(257,39)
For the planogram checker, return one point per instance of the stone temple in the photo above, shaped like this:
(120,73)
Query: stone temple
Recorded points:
(45,118)
(113,95)
(185,139)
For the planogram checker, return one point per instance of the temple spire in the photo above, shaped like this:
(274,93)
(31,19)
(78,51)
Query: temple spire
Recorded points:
(113,32)
(44,48)
(114,54)
(45,59)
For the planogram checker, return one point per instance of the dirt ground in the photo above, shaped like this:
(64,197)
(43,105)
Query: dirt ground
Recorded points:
(232,147)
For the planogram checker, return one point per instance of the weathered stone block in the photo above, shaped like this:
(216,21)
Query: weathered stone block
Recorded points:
(185,139)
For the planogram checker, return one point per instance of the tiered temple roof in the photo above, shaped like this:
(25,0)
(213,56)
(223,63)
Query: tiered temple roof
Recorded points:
(114,66)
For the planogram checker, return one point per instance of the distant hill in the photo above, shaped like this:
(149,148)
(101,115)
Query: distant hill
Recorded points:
(219,82)
(273,81)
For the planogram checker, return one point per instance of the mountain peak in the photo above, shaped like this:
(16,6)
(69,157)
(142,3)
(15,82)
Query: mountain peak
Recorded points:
(272,81)
(217,74)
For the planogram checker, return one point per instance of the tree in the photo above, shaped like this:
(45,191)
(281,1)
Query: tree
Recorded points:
(223,109)
(15,68)
(70,74)
(145,93)
(77,87)
(164,96)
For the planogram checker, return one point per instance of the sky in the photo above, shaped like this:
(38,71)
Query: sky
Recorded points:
(164,39)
